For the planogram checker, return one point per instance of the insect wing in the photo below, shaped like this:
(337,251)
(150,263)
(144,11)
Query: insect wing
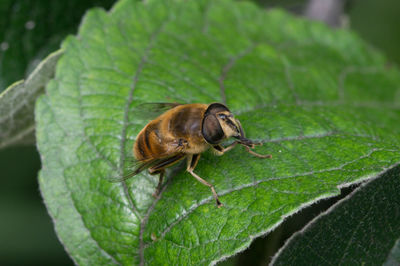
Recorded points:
(131,168)
(148,111)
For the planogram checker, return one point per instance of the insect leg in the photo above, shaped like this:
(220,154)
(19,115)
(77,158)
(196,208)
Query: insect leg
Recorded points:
(221,150)
(192,162)
(159,168)
(164,163)
(160,181)
(257,154)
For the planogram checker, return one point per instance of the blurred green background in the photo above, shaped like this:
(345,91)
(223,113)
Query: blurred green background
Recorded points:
(29,30)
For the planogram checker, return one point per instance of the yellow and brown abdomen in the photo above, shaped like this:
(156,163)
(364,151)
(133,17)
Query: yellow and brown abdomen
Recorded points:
(149,142)
(161,137)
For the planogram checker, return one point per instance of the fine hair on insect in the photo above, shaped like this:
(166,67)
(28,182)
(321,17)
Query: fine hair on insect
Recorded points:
(186,131)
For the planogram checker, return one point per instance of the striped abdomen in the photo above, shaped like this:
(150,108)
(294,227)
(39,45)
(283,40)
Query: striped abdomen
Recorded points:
(149,142)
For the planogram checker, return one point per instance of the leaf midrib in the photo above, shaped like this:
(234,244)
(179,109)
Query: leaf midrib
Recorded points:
(141,65)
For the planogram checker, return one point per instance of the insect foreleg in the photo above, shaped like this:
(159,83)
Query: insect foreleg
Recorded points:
(257,154)
(219,149)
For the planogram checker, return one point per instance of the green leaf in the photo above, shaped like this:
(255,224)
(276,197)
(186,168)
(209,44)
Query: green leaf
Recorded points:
(30,30)
(361,229)
(394,255)
(17,103)
(322,102)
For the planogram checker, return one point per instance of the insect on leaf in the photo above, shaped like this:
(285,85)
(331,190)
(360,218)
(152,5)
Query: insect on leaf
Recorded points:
(321,101)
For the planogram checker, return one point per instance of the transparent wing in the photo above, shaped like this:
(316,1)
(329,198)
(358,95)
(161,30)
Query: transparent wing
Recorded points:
(132,167)
(148,111)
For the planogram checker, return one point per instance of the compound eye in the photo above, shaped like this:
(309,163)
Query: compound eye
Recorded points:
(212,131)
(222,116)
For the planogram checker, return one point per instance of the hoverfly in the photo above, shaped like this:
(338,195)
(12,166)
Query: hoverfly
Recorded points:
(186,131)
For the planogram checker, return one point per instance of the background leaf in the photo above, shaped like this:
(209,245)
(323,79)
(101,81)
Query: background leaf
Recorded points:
(394,255)
(383,18)
(17,103)
(362,229)
(320,116)
(30,30)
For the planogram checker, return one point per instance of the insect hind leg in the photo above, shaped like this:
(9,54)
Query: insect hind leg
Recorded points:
(160,181)
(159,168)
